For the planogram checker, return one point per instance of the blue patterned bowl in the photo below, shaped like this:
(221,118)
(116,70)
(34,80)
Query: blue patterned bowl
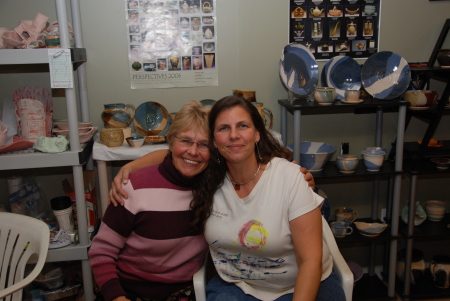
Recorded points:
(385,75)
(298,69)
(314,155)
(370,229)
(151,119)
(342,73)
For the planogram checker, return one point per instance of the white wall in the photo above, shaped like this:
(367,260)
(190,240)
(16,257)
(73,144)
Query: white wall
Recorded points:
(251,35)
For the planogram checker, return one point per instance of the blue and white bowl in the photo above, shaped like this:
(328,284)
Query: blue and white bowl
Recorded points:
(342,73)
(370,229)
(385,75)
(314,155)
(347,163)
(373,159)
(299,70)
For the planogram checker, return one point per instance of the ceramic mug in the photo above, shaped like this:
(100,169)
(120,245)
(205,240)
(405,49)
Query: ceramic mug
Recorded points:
(340,229)
(346,215)
(352,95)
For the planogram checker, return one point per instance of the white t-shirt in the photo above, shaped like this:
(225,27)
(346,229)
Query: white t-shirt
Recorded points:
(250,239)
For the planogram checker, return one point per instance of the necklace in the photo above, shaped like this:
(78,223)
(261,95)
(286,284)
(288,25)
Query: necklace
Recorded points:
(237,186)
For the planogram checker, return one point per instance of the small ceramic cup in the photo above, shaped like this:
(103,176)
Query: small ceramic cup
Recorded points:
(351,95)
(373,159)
(111,137)
(135,142)
(346,215)
(340,229)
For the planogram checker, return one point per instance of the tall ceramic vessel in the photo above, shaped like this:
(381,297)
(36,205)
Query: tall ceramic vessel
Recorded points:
(118,115)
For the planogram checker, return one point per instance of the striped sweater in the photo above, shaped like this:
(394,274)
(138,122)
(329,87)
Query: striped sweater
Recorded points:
(146,247)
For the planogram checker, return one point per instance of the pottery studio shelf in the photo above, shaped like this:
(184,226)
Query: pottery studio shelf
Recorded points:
(330,171)
(428,229)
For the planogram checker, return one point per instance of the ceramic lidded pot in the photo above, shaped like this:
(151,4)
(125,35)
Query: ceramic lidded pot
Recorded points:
(443,58)
(440,269)
(417,265)
(373,159)
(118,115)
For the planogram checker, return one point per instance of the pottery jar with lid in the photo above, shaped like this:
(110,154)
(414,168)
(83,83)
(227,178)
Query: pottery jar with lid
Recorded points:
(443,58)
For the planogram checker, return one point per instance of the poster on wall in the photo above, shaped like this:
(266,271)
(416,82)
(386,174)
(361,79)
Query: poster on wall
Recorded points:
(172,43)
(335,27)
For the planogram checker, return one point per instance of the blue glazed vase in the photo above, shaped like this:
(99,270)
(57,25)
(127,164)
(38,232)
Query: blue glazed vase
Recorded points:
(118,115)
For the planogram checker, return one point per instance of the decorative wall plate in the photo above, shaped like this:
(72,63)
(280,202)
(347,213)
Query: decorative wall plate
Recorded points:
(298,69)
(342,73)
(385,75)
(151,118)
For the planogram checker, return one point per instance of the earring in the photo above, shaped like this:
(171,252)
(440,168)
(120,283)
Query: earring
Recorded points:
(257,149)
(218,156)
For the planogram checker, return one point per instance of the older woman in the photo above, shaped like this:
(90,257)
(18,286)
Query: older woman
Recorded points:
(151,247)
(265,229)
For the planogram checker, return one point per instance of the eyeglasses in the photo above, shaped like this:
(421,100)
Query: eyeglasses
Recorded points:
(201,146)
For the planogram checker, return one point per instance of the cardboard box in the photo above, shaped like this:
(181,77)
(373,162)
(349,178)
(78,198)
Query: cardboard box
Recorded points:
(89,195)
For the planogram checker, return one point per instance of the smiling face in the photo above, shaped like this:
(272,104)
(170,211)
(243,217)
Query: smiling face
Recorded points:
(190,161)
(235,135)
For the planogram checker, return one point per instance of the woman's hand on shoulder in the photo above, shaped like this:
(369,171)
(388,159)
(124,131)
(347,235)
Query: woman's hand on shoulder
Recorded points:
(117,194)
(308,176)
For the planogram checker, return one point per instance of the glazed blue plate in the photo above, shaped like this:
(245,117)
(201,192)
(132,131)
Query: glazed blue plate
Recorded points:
(298,69)
(342,73)
(385,75)
(151,119)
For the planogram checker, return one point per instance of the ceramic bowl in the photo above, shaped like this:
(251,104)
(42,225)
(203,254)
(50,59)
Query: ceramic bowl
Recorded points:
(385,75)
(370,229)
(299,70)
(347,163)
(325,95)
(342,73)
(420,98)
(64,125)
(151,118)
(441,163)
(435,210)
(155,139)
(373,159)
(314,155)
(135,142)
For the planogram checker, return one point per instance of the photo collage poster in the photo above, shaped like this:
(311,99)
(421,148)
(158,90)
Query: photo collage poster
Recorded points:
(336,27)
(172,43)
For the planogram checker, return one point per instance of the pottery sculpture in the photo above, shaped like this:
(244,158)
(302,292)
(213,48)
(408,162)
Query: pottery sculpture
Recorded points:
(351,28)
(118,115)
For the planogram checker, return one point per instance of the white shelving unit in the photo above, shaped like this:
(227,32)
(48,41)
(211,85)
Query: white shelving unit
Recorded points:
(31,60)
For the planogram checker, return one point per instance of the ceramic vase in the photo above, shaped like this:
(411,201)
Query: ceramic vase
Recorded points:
(118,115)
(417,265)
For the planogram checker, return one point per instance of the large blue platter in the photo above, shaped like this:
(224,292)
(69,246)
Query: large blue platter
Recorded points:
(342,73)
(151,119)
(385,75)
(298,69)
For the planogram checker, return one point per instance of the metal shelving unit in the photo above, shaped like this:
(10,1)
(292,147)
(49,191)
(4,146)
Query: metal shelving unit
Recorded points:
(36,60)
(370,287)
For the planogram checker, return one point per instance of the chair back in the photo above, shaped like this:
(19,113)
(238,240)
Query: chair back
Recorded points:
(22,239)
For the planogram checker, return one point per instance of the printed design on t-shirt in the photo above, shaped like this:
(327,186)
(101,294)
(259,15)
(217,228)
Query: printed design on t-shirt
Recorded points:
(244,267)
(253,235)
